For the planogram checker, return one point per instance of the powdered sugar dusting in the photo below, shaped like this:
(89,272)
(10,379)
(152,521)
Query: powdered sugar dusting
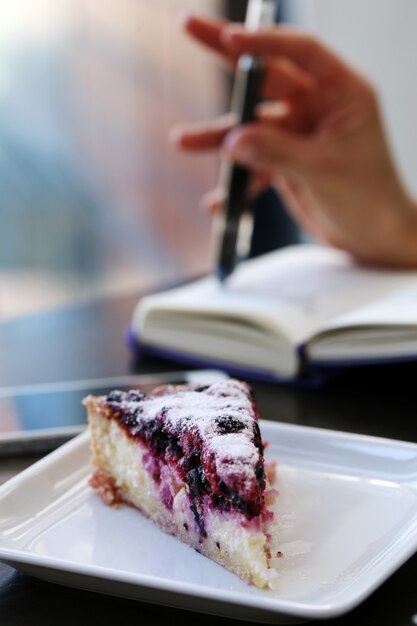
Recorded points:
(241,462)
(222,415)
(198,407)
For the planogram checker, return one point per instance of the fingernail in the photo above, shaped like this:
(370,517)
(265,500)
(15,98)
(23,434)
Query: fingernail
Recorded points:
(183,18)
(229,33)
(175,135)
(245,153)
(239,150)
(203,206)
(207,205)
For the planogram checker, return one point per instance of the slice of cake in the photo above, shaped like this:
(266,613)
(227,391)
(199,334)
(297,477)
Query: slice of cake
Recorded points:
(191,459)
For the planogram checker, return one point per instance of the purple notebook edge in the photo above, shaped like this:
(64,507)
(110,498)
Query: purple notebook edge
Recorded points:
(315,375)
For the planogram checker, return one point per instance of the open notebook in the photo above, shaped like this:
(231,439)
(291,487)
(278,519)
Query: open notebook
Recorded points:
(285,315)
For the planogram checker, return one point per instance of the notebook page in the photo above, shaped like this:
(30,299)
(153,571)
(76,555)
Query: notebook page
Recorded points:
(294,292)
(386,327)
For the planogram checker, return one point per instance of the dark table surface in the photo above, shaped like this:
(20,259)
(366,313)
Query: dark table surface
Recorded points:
(88,341)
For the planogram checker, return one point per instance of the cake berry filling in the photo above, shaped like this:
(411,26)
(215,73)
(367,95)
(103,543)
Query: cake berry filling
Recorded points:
(207,436)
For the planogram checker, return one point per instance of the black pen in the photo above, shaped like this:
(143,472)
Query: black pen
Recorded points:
(234,179)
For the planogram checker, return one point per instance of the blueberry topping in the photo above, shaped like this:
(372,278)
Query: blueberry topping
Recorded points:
(162,441)
(257,439)
(135,395)
(219,502)
(243,506)
(173,444)
(232,499)
(200,388)
(223,487)
(129,419)
(198,519)
(114,396)
(227,424)
(197,482)
(259,473)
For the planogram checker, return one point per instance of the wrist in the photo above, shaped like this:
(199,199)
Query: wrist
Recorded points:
(400,235)
(409,229)
(391,238)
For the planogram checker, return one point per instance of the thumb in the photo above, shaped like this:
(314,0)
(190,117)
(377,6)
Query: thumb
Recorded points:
(270,150)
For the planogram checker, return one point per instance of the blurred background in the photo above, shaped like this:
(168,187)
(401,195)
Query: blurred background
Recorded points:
(93,199)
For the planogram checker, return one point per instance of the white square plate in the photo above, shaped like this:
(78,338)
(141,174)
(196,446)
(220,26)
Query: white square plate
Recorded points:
(347,511)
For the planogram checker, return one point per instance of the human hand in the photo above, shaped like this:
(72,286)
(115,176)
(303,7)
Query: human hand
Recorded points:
(319,139)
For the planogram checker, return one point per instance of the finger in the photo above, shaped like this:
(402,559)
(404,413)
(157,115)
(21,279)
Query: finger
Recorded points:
(269,150)
(281,115)
(213,201)
(271,111)
(202,135)
(209,135)
(209,33)
(259,182)
(302,48)
(285,80)
(298,205)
